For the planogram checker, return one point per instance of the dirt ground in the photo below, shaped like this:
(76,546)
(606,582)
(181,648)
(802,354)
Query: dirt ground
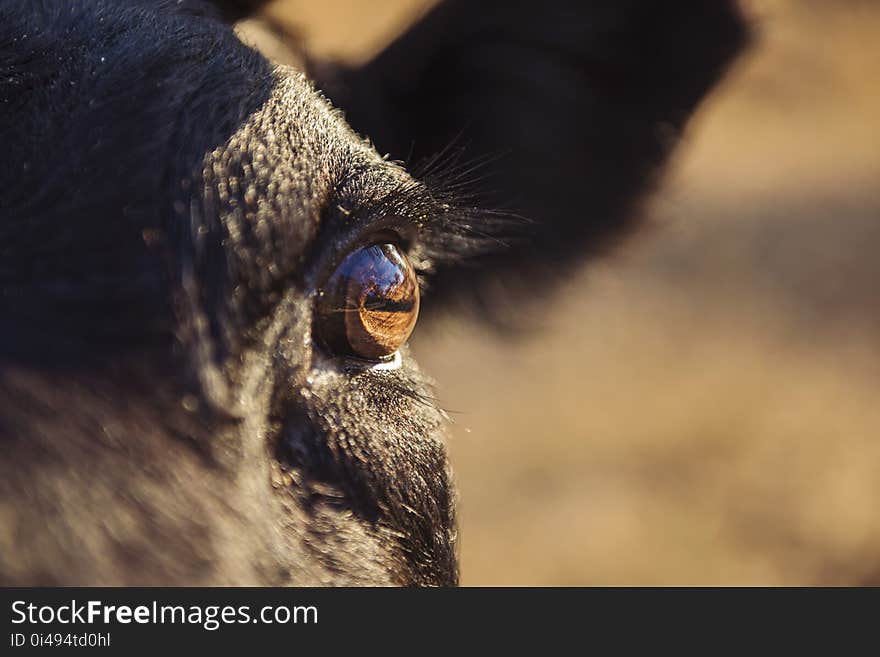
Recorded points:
(702,407)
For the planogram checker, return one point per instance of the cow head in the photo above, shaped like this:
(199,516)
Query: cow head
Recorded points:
(207,277)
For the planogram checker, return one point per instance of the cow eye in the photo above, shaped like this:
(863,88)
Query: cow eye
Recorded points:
(370,303)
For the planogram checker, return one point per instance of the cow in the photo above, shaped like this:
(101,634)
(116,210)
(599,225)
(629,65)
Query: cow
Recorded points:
(210,265)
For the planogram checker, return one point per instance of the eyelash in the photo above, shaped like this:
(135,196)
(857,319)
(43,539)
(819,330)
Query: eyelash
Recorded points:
(434,217)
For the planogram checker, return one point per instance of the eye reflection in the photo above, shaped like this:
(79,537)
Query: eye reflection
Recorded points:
(370,304)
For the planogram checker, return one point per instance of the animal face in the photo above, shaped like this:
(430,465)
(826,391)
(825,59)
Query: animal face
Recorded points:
(208,277)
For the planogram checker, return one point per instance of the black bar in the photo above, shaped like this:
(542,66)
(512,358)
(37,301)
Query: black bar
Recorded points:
(412,620)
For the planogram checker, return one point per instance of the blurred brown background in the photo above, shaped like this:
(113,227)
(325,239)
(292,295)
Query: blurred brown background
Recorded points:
(703,407)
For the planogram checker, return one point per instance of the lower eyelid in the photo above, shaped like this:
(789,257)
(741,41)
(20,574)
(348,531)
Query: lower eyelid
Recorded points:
(394,362)
(353,366)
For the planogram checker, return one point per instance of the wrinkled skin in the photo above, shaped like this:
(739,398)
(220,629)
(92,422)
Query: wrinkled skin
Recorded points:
(173,203)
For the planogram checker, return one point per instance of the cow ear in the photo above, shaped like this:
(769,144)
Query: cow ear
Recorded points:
(576,104)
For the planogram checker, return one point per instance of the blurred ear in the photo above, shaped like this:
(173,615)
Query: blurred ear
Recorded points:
(581,101)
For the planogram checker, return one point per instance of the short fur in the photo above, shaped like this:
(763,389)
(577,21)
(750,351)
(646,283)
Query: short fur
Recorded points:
(172,203)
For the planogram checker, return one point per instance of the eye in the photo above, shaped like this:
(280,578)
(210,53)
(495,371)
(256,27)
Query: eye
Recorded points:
(370,304)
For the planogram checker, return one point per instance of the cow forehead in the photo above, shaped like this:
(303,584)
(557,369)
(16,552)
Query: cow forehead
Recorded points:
(266,187)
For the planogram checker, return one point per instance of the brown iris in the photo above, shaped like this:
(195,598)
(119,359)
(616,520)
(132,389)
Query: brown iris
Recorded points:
(370,304)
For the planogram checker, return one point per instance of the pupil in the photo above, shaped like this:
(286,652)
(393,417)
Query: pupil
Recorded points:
(387,304)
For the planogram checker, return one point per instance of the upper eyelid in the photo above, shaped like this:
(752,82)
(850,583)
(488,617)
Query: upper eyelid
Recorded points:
(436,222)
(343,233)
(364,202)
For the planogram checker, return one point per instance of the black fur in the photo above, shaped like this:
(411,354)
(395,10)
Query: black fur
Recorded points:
(170,205)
